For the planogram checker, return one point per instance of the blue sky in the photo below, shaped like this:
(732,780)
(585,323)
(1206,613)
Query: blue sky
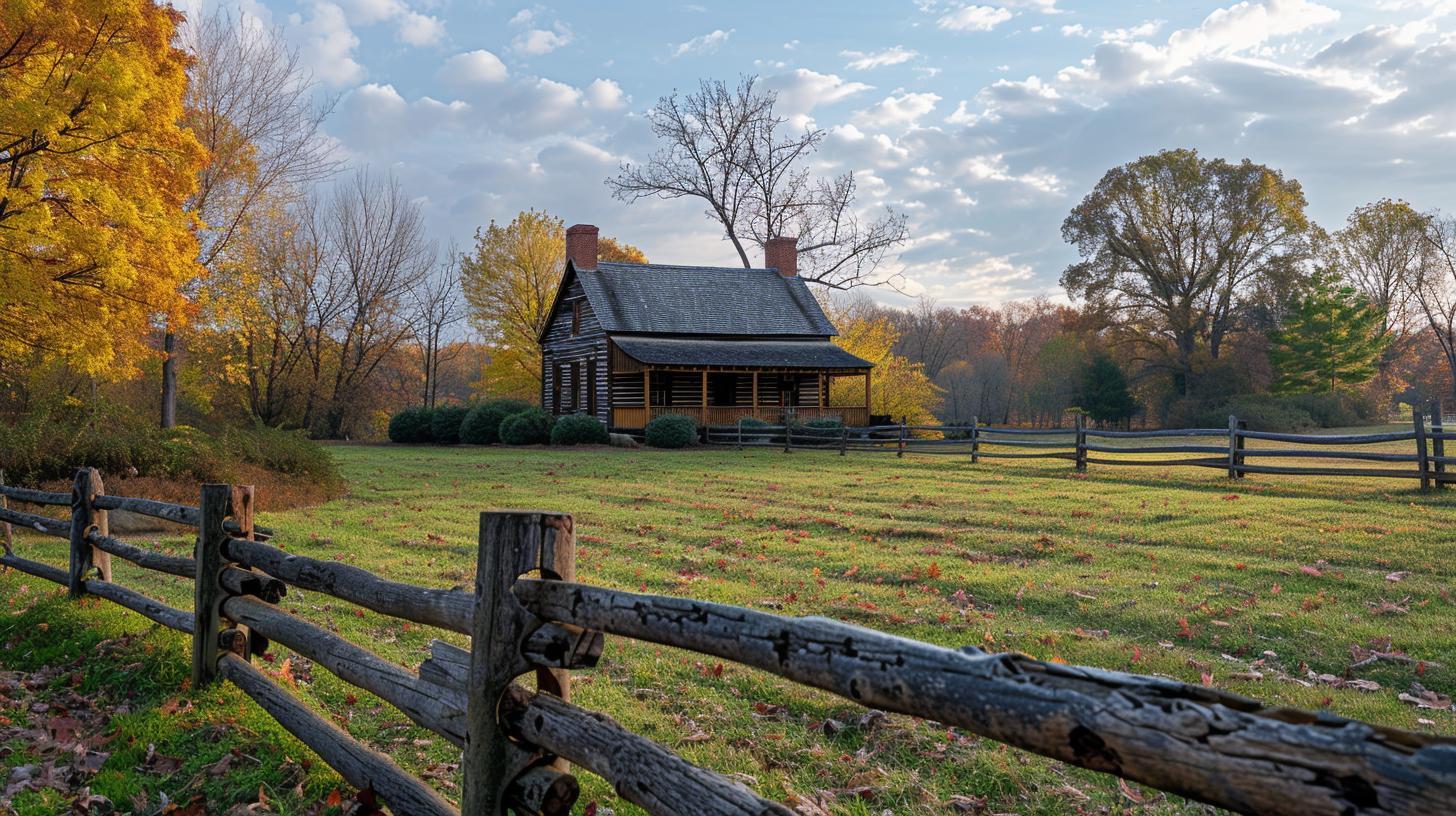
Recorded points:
(984,121)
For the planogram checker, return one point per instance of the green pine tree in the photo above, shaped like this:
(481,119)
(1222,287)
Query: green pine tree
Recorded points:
(1331,338)
(1105,396)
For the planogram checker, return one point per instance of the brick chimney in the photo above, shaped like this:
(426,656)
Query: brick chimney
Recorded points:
(782,254)
(581,246)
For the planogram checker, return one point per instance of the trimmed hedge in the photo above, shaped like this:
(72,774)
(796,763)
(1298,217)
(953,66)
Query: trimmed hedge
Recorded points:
(482,424)
(671,431)
(529,427)
(412,425)
(445,424)
(579,429)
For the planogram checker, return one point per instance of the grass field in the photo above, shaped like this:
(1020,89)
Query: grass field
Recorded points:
(1261,586)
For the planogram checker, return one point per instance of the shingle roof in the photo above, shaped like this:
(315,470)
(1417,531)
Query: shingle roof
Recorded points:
(746,353)
(665,299)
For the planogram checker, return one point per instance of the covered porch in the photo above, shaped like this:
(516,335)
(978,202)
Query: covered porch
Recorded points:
(713,382)
(722,397)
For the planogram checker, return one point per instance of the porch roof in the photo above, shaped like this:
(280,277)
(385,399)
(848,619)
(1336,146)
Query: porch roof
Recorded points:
(676,351)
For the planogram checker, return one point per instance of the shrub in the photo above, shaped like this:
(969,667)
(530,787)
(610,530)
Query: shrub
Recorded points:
(412,425)
(529,427)
(671,431)
(445,424)
(49,442)
(482,424)
(818,431)
(290,453)
(755,432)
(578,429)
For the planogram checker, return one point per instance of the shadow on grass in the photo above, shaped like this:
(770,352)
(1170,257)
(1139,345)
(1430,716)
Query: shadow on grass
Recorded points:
(126,682)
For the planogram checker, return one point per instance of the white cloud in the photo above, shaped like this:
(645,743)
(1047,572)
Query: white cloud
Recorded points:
(420,29)
(605,94)
(411,27)
(523,17)
(474,68)
(898,111)
(703,43)
(864,61)
(801,90)
(974,18)
(328,44)
(538,41)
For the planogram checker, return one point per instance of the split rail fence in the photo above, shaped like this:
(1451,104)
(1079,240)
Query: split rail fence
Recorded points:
(528,615)
(1223,449)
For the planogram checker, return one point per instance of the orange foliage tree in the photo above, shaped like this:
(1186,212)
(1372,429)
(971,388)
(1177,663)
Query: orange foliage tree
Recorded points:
(93,236)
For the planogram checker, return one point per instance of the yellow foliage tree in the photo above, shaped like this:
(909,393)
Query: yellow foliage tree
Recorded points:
(509,281)
(93,236)
(900,387)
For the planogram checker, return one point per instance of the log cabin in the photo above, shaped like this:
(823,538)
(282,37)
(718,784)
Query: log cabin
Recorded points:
(626,342)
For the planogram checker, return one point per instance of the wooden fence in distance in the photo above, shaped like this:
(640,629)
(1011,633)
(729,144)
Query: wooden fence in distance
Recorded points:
(1223,449)
(1195,741)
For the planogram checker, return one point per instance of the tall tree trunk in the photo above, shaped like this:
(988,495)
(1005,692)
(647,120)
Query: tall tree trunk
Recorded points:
(169,379)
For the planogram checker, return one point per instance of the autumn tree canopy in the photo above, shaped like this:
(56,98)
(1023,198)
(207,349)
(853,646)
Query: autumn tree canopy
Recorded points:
(93,236)
(1176,249)
(509,281)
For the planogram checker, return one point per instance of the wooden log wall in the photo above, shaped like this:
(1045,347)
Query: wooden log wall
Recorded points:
(586,349)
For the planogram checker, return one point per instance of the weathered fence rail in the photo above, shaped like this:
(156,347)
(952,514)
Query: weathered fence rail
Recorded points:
(1083,445)
(1199,742)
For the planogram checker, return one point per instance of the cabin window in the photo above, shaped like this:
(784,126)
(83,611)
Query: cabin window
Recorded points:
(575,318)
(575,386)
(556,389)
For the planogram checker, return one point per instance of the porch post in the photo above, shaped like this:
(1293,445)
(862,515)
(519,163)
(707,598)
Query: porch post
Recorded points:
(755,395)
(704,396)
(646,395)
(867,397)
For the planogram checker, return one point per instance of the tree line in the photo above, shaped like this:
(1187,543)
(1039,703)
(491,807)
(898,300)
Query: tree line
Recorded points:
(192,246)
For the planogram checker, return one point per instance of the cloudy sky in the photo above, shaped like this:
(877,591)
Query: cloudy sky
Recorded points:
(984,121)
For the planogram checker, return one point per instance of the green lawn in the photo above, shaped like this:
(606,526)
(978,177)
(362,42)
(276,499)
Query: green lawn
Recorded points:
(1261,585)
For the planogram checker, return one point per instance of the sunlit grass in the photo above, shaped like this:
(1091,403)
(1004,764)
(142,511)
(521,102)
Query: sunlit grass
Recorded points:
(1172,571)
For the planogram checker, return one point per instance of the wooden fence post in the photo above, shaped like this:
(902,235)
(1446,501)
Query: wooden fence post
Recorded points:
(900,451)
(788,433)
(1233,447)
(1438,445)
(1081,455)
(511,543)
(1423,462)
(85,518)
(975,439)
(214,507)
(740,433)
(5,505)
(1239,448)
(843,439)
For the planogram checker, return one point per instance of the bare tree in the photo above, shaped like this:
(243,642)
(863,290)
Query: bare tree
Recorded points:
(931,335)
(1378,252)
(254,107)
(379,256)
(726,146)
(437,304)
(1433,288)
(281,266)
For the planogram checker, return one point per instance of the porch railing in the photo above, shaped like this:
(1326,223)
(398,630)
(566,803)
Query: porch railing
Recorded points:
(730,414)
